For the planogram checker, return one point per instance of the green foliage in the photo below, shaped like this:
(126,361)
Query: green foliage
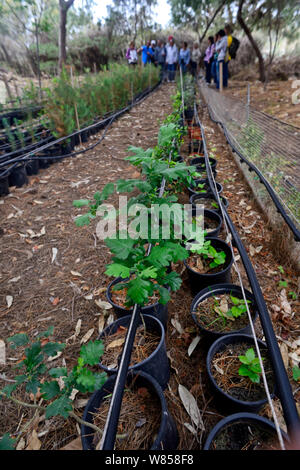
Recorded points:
(250,366)
(208,252)
(7,443)
(296,373)
(33,369)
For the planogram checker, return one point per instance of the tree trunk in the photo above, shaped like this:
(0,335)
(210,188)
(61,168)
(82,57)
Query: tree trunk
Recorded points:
(212,20)
(63,11)
(262,70)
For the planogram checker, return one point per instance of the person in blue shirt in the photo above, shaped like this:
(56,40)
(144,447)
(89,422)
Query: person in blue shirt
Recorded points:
(147,53)
(184,57)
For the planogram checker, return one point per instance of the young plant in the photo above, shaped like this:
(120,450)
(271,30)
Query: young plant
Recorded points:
(208,252)
(250,366)
(56,390)
(145,274)
(239,308)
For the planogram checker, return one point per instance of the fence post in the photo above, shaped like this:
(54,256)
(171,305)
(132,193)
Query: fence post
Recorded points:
(221,77)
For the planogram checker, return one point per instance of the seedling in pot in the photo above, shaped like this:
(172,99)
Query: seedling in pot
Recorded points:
(208,252)
(250,366)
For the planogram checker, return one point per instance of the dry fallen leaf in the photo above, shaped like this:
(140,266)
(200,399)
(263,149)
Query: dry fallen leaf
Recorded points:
(73,445)
(116,343)
(87,336)
(285,354)
(177,326)
(76,273)
(34,443)
(9,300)
(193,345)
(54,254)
(103,305)
(2,352)
(15,279)
(191,406)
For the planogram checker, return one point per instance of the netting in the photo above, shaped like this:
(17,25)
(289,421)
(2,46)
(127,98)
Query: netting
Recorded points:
(271,145)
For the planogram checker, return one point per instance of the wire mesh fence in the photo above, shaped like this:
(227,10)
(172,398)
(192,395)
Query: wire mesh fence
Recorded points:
(271,145)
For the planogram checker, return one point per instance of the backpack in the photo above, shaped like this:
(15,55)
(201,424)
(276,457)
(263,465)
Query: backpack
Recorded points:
(234,47)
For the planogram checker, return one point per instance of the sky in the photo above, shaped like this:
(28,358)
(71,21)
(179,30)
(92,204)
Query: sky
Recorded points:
(161,12)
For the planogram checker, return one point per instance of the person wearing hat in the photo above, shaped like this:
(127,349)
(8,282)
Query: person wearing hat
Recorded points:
(147,53)
(171,58)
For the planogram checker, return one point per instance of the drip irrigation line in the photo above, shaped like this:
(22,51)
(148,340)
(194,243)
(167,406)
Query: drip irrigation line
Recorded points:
(284,389)
(32,155)
(262,179)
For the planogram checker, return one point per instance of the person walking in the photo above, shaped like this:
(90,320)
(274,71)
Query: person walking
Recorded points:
(195,59)
(131,54)
(184,57)
(171,59)
(222,50)
(147,53)
(160,58)
(208,59)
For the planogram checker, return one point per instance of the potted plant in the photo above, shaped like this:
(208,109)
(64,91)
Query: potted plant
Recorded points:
(235,372)
(209,263)
(201,186)
(221,310)
(209,202)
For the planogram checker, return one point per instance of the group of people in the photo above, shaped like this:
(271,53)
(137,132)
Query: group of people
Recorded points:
(221,49)
(167,56)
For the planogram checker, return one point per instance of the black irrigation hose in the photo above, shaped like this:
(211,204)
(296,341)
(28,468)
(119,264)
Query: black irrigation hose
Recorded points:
(262,179)
(110,119)
(284,389)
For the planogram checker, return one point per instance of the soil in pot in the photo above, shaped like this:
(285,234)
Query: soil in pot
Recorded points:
(245,436)
(210,225)
(145,343)
(225,370)
(119,298)
(211,314)
(139,420)
(208,203)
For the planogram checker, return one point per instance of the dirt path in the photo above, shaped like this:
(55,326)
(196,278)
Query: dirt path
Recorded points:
(46,292)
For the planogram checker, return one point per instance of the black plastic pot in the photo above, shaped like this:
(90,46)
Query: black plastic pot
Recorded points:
(224,399)
(213,291)
(157,310)
(4,186)
(44,162)
(199,162)
(236,441)
(196,199)
(189,113)
(167,435)
(157,364)
(18,177)
(193,190)
(32,167)
(209,215)
(198,281)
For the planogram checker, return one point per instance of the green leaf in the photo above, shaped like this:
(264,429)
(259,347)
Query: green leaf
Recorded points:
(244,371)
(173,280)
(50,390)
(47,333)
(82,220)
(56,372)
(120,248)
(164,295)
(81,202)
(92,352)
(61,406)
(86,380)
(117,270)
(7,443)
(138,290)
(107,191)
(149,272)
(51,349)
(18,340)
(296,373)
(99,380)
(244,359)
(250,355)
(33,385)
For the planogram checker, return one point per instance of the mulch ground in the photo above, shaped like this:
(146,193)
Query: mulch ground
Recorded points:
(63,290)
